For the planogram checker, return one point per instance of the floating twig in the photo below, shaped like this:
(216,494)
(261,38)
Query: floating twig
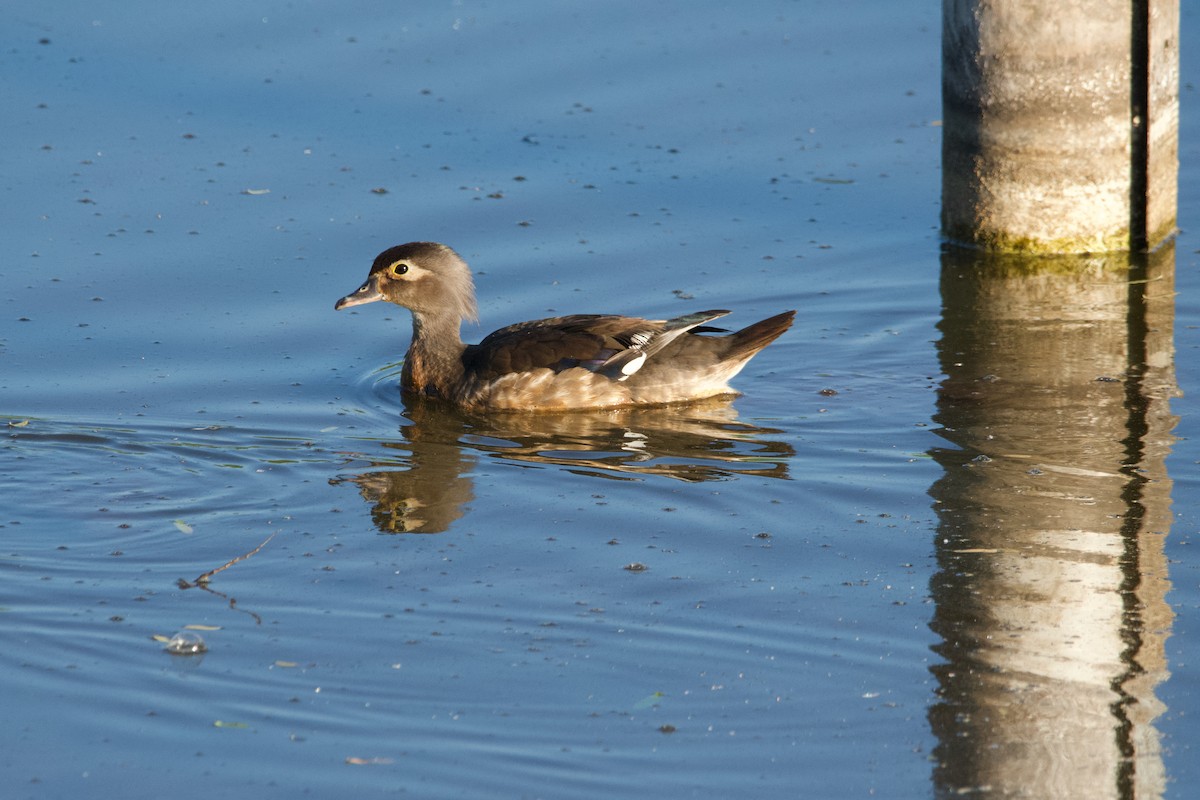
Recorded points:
(202,581)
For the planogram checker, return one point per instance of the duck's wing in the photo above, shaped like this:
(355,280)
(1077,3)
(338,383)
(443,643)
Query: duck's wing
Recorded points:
(610,345)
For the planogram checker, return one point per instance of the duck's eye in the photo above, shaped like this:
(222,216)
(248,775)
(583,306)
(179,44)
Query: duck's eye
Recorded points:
(398,269)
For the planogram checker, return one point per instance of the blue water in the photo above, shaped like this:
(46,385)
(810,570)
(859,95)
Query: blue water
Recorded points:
(444,607)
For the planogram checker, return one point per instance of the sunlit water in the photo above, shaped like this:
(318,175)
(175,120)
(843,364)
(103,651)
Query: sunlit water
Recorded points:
(760,597)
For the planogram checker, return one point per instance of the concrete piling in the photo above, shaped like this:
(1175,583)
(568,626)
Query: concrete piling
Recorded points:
(1060,124)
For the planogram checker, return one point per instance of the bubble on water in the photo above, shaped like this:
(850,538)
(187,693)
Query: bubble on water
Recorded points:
(186,643)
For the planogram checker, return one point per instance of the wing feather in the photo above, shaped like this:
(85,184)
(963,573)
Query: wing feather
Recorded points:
(608,344)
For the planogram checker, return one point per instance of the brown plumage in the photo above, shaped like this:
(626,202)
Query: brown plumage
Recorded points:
(578,361)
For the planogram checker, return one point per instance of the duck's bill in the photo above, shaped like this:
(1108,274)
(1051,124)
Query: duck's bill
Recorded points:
(367,293)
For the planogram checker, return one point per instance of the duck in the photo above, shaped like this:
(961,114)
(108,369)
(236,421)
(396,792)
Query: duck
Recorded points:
(580,361)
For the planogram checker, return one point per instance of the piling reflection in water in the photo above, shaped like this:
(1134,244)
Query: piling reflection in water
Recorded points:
(1052,514)
(427,486)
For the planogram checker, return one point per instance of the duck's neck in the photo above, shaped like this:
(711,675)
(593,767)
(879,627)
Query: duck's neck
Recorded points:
(434,361)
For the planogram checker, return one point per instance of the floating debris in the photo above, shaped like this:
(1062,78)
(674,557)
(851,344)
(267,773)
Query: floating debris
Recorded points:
(649,702)
(186,643)
(204,579)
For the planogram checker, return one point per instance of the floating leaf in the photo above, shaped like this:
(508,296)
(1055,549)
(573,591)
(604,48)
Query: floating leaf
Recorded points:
(183,526)
(647,702)
(158,637)
(220,723)
(359,762)
(286,664)
(256,191)
(202,627)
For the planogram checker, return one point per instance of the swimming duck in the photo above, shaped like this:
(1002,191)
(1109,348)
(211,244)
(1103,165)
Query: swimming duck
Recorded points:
(573,362)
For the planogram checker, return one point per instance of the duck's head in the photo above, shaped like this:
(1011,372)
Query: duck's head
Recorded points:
(426,277)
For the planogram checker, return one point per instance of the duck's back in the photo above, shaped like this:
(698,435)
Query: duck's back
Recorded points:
(607,360)
(559,343)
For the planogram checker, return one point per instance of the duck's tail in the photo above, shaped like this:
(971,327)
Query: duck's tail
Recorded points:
(749,340)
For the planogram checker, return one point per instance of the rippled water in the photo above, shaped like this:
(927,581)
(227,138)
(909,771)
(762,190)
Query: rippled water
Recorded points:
(822,588)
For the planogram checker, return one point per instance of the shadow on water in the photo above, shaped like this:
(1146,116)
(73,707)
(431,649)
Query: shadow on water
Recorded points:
(428,485)
(1053,510)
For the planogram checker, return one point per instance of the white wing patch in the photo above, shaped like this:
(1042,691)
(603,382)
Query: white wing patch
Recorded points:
(631,366)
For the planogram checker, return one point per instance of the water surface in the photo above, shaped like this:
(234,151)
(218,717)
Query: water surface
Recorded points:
(816,589)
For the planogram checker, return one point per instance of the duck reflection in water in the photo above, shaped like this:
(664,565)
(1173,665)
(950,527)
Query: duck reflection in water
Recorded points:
(427,486)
